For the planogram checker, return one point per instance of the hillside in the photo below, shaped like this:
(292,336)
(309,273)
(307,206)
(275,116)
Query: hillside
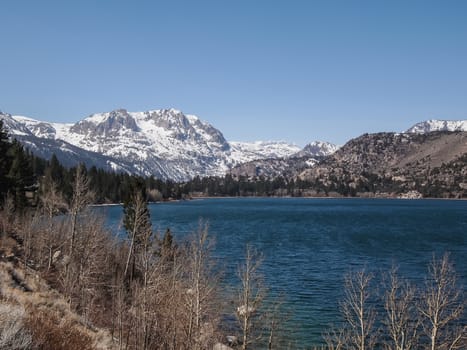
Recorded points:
(271,168)
(35,316)
(433,164)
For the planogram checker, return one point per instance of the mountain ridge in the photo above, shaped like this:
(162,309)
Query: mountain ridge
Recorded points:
(165,143)
(438,125)
(432,164)
(172,145)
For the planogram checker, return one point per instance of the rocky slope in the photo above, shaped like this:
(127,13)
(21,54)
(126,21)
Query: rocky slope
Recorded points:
(273,167)
(33,315)
(433,164)
(317,149)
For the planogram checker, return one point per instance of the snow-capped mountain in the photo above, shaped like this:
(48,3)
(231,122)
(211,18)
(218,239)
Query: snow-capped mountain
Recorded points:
(273,167)
(165,143)
(242,152)
(438,125)
(317,149)
(68,154)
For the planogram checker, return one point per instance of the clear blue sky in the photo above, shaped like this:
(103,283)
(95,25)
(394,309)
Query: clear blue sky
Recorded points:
(256,69)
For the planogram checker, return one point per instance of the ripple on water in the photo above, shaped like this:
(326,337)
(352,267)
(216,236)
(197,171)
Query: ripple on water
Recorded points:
(309,244)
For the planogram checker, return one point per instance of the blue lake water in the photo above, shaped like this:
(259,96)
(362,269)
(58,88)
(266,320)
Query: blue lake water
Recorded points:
(310,244)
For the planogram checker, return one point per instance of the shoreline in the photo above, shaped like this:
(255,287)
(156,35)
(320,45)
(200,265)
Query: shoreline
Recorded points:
(322,197)
(284,197)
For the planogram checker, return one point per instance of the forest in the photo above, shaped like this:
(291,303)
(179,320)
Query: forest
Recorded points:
(66,282)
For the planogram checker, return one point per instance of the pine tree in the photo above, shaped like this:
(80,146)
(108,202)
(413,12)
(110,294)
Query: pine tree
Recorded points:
(20,175)
(167,246)
(5,162)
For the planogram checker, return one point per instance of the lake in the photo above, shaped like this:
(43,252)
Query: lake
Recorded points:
(310,244)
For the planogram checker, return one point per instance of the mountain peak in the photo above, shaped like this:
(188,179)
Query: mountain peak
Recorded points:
(317,149)
(105,124)
(13,126)
(438,125)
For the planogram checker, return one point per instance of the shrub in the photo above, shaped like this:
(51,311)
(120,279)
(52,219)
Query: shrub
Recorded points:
(52,333)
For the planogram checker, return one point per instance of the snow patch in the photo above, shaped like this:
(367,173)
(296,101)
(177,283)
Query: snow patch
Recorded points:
(438,125)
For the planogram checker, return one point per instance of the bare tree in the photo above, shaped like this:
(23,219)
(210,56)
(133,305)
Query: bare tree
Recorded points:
(89,263)
(358,315)
(442,305)
(119,308)
(82,197)
(8,213)
(401,320)
(52,203)
(276,316)
(30,231)
(51,199)
(137,223)
(174,299)
(146,295)
(250,297)
(336,338)
(201,294)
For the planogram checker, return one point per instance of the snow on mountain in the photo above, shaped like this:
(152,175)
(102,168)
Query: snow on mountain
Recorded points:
(44,144)
(287,164)
(165,143)
(438,125)
(242,152)
(317,149)
(12,126)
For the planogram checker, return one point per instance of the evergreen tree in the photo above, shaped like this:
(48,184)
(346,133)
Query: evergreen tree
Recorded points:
(38,166)
(5,162)
(56,169)
(167,246)
(20,175)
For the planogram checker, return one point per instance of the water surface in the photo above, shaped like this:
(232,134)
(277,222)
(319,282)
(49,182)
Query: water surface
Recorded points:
(309,244)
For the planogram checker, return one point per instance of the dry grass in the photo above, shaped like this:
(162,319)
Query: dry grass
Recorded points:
(52,331)
(13,332)
(32,315)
